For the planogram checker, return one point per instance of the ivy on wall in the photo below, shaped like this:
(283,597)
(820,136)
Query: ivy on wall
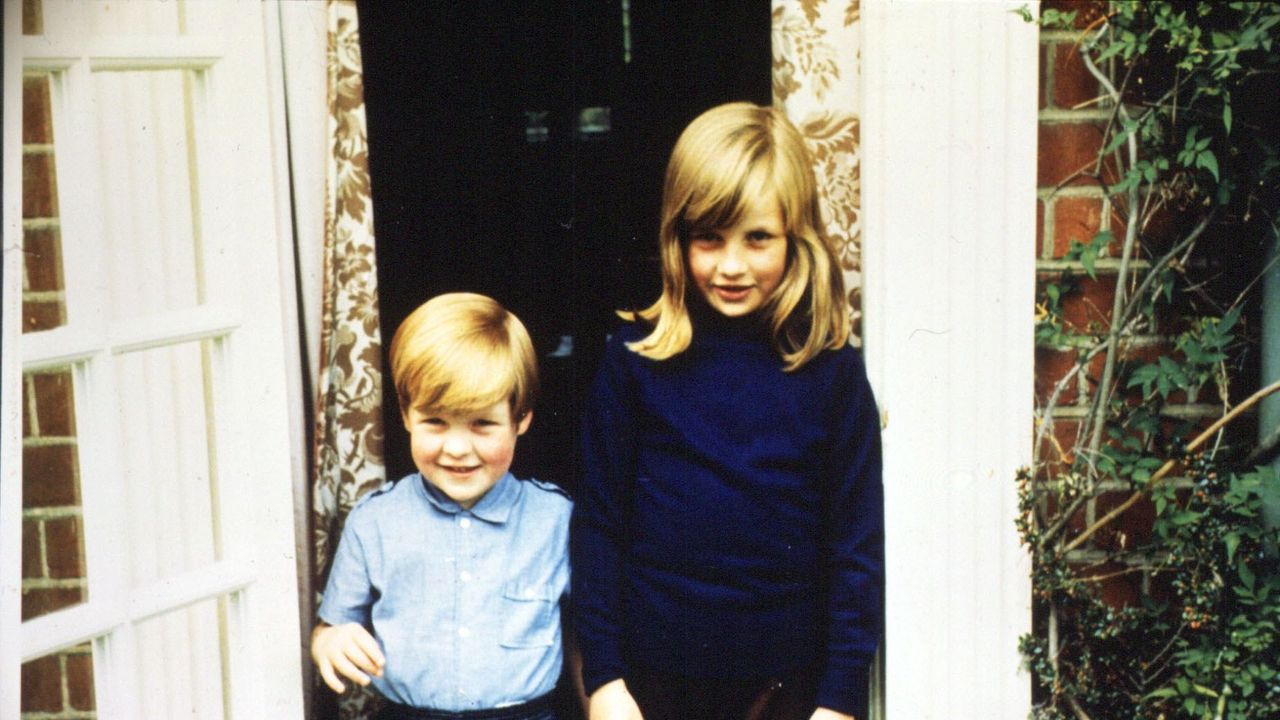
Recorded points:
(1156,592)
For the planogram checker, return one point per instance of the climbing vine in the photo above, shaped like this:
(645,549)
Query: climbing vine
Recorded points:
(1155,586)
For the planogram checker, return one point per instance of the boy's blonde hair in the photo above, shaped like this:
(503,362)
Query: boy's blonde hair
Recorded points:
(727,157)
(463,352)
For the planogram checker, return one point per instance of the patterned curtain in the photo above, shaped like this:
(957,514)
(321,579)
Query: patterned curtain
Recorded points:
(817,49)
(348,432)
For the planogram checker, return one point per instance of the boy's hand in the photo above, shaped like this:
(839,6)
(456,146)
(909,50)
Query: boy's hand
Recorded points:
(348,650)
(825,714)
(611,701)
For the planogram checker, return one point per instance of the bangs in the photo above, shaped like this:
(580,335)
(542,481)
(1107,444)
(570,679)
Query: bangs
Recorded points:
(464,379)
(725,191)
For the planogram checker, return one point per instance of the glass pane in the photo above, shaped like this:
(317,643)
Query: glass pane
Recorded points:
(59,685)
(146,131)
(43,306)
(167,465)
(53,565)
(182,660)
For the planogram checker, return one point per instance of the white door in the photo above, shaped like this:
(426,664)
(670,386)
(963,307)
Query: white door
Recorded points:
(151,481)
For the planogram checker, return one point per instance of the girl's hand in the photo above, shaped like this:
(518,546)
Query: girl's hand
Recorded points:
(348,650)
(611,701)
(825,714)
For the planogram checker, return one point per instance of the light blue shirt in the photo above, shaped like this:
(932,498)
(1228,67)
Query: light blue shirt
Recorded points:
(464,603)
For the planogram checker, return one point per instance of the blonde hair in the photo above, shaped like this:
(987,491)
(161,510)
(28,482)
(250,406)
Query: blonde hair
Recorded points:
(463,352)
(727,158)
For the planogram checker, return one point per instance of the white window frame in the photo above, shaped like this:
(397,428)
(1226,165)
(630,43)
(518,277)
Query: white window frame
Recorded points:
(242,216)
(948,176)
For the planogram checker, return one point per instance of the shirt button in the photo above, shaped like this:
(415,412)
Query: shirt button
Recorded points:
(465,576)
(465,523)
(464,632)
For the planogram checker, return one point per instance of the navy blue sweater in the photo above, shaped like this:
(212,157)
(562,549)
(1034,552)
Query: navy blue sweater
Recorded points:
(730,521)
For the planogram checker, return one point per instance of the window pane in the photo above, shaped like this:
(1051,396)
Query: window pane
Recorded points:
(167,465)
(43,305)
(53,565)
(182,660)
(146,129)
(59,685)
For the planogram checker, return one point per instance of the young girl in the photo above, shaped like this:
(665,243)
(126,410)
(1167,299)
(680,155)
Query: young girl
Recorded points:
(728,541)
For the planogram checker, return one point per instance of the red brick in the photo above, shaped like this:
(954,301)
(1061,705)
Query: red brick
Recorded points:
(1044,75)
(36,125)
(39,186)
(1088,308)
(26,413)
(55,409)
(1040,228)
(1119,586)
(32,17)
(42,685)
(1087,11)
(1130,529)
(64,548)
(1073,85)
(1065,151)
(1059,444)
(1051,366)
(42,315)
(42,601)
(49,476)
(32,566)
(80,681)
(41,252)
(1075,218)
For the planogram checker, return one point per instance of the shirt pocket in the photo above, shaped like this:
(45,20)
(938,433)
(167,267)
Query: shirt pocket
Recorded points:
(530,615)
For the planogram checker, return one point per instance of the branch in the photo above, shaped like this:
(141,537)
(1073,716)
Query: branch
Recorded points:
(1103,399)
(1169,465)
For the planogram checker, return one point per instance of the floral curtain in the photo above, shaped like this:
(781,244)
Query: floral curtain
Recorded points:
(817,50)
(348,458)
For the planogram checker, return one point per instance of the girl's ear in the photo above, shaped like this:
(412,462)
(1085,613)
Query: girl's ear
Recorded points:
(522,425)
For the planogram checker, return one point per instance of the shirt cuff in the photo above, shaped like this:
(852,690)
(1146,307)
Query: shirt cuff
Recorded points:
(846,691)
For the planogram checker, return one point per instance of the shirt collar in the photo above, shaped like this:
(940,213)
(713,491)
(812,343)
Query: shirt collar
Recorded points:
(494,507)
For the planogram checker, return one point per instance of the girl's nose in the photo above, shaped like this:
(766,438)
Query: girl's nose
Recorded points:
(732,263)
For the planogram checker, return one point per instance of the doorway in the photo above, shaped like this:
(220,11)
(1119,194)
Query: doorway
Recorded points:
(517,150)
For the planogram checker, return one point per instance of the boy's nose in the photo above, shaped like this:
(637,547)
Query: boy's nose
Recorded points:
(455,445)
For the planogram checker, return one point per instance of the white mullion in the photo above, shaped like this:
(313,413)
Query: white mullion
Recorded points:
(11,372)
(121,52)
(80,623)
(102,491)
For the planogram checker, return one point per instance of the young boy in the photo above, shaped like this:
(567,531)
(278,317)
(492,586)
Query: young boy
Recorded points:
(445,590)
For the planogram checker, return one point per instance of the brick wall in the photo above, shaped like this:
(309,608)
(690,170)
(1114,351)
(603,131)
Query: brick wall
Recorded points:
(1071,206)
(58,686)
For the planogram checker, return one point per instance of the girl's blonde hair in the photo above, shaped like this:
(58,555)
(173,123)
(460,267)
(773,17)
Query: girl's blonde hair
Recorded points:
(462,352)
(728,157)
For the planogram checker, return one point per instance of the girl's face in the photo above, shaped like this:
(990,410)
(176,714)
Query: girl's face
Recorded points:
(737,268)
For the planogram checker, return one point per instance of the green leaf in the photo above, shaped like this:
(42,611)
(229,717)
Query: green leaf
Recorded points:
(1226,117)
(1232,541)
(1208,161)
(1087,258)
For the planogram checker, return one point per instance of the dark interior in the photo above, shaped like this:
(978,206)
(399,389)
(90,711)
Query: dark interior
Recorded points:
(487,178)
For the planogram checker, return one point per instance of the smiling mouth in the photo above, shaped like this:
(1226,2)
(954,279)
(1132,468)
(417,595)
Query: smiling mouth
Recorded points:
(732,292)
(460,469)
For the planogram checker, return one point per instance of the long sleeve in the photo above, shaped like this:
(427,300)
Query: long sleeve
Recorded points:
(600,520)
(853,536)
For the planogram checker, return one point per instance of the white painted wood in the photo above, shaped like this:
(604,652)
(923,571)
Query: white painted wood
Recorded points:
(219,599)
(81,623)
(949,157)
(11,373)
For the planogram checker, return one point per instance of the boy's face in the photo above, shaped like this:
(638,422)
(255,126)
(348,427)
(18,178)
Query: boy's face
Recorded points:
(464,454)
